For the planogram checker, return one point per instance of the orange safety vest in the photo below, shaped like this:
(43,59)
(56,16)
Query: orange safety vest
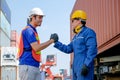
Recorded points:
(36,55)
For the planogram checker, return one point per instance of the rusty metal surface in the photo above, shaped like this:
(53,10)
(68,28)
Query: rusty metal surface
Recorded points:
(104,18)
(14,39)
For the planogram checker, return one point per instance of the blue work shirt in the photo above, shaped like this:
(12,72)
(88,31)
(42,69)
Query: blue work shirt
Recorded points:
(28,38)
(84,46)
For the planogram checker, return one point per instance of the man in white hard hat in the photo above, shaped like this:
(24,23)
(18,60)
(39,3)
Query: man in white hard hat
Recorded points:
(29,54)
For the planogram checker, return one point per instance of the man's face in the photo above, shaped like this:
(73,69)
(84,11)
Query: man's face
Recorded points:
(38,20)
(75,23)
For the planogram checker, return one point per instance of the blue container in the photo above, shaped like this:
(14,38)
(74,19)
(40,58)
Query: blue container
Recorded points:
(6,10)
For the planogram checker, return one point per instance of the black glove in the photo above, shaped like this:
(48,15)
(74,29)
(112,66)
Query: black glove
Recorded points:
(85,70)
(54,37)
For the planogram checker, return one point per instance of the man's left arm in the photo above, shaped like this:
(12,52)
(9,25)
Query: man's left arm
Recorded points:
(91,44)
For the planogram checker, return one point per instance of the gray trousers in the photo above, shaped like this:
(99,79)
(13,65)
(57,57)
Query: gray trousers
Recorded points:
(27,72)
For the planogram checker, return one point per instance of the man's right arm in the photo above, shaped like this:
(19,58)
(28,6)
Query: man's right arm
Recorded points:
(39,47)
(33,42)
(64,48)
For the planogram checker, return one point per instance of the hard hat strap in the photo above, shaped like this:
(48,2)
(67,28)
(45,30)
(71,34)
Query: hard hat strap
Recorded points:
(77,29)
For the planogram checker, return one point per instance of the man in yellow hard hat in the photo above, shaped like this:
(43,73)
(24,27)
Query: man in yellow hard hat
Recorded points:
(84,46)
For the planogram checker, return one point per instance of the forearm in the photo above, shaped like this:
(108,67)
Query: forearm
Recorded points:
(39,47)
(64,48)
(91,54)
(44,45)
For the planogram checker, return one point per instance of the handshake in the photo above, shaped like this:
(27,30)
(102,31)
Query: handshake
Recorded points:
(54,37)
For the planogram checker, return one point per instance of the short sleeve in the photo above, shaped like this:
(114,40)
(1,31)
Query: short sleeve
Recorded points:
(29,35)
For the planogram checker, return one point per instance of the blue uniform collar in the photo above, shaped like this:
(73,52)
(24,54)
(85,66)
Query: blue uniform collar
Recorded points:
(83,28)
(32,27)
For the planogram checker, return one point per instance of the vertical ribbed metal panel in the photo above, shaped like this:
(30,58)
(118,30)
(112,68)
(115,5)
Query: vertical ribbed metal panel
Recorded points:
(104,18)
(8,73)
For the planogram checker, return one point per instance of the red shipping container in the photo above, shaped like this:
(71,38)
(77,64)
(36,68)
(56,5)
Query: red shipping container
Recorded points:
(103,16)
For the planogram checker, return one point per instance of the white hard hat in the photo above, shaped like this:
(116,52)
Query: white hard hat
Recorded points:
(36,11)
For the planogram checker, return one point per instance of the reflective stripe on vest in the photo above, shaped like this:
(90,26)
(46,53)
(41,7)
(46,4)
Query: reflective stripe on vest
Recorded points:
(36,55)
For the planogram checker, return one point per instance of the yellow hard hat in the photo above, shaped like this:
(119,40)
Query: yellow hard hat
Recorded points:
(79,14)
